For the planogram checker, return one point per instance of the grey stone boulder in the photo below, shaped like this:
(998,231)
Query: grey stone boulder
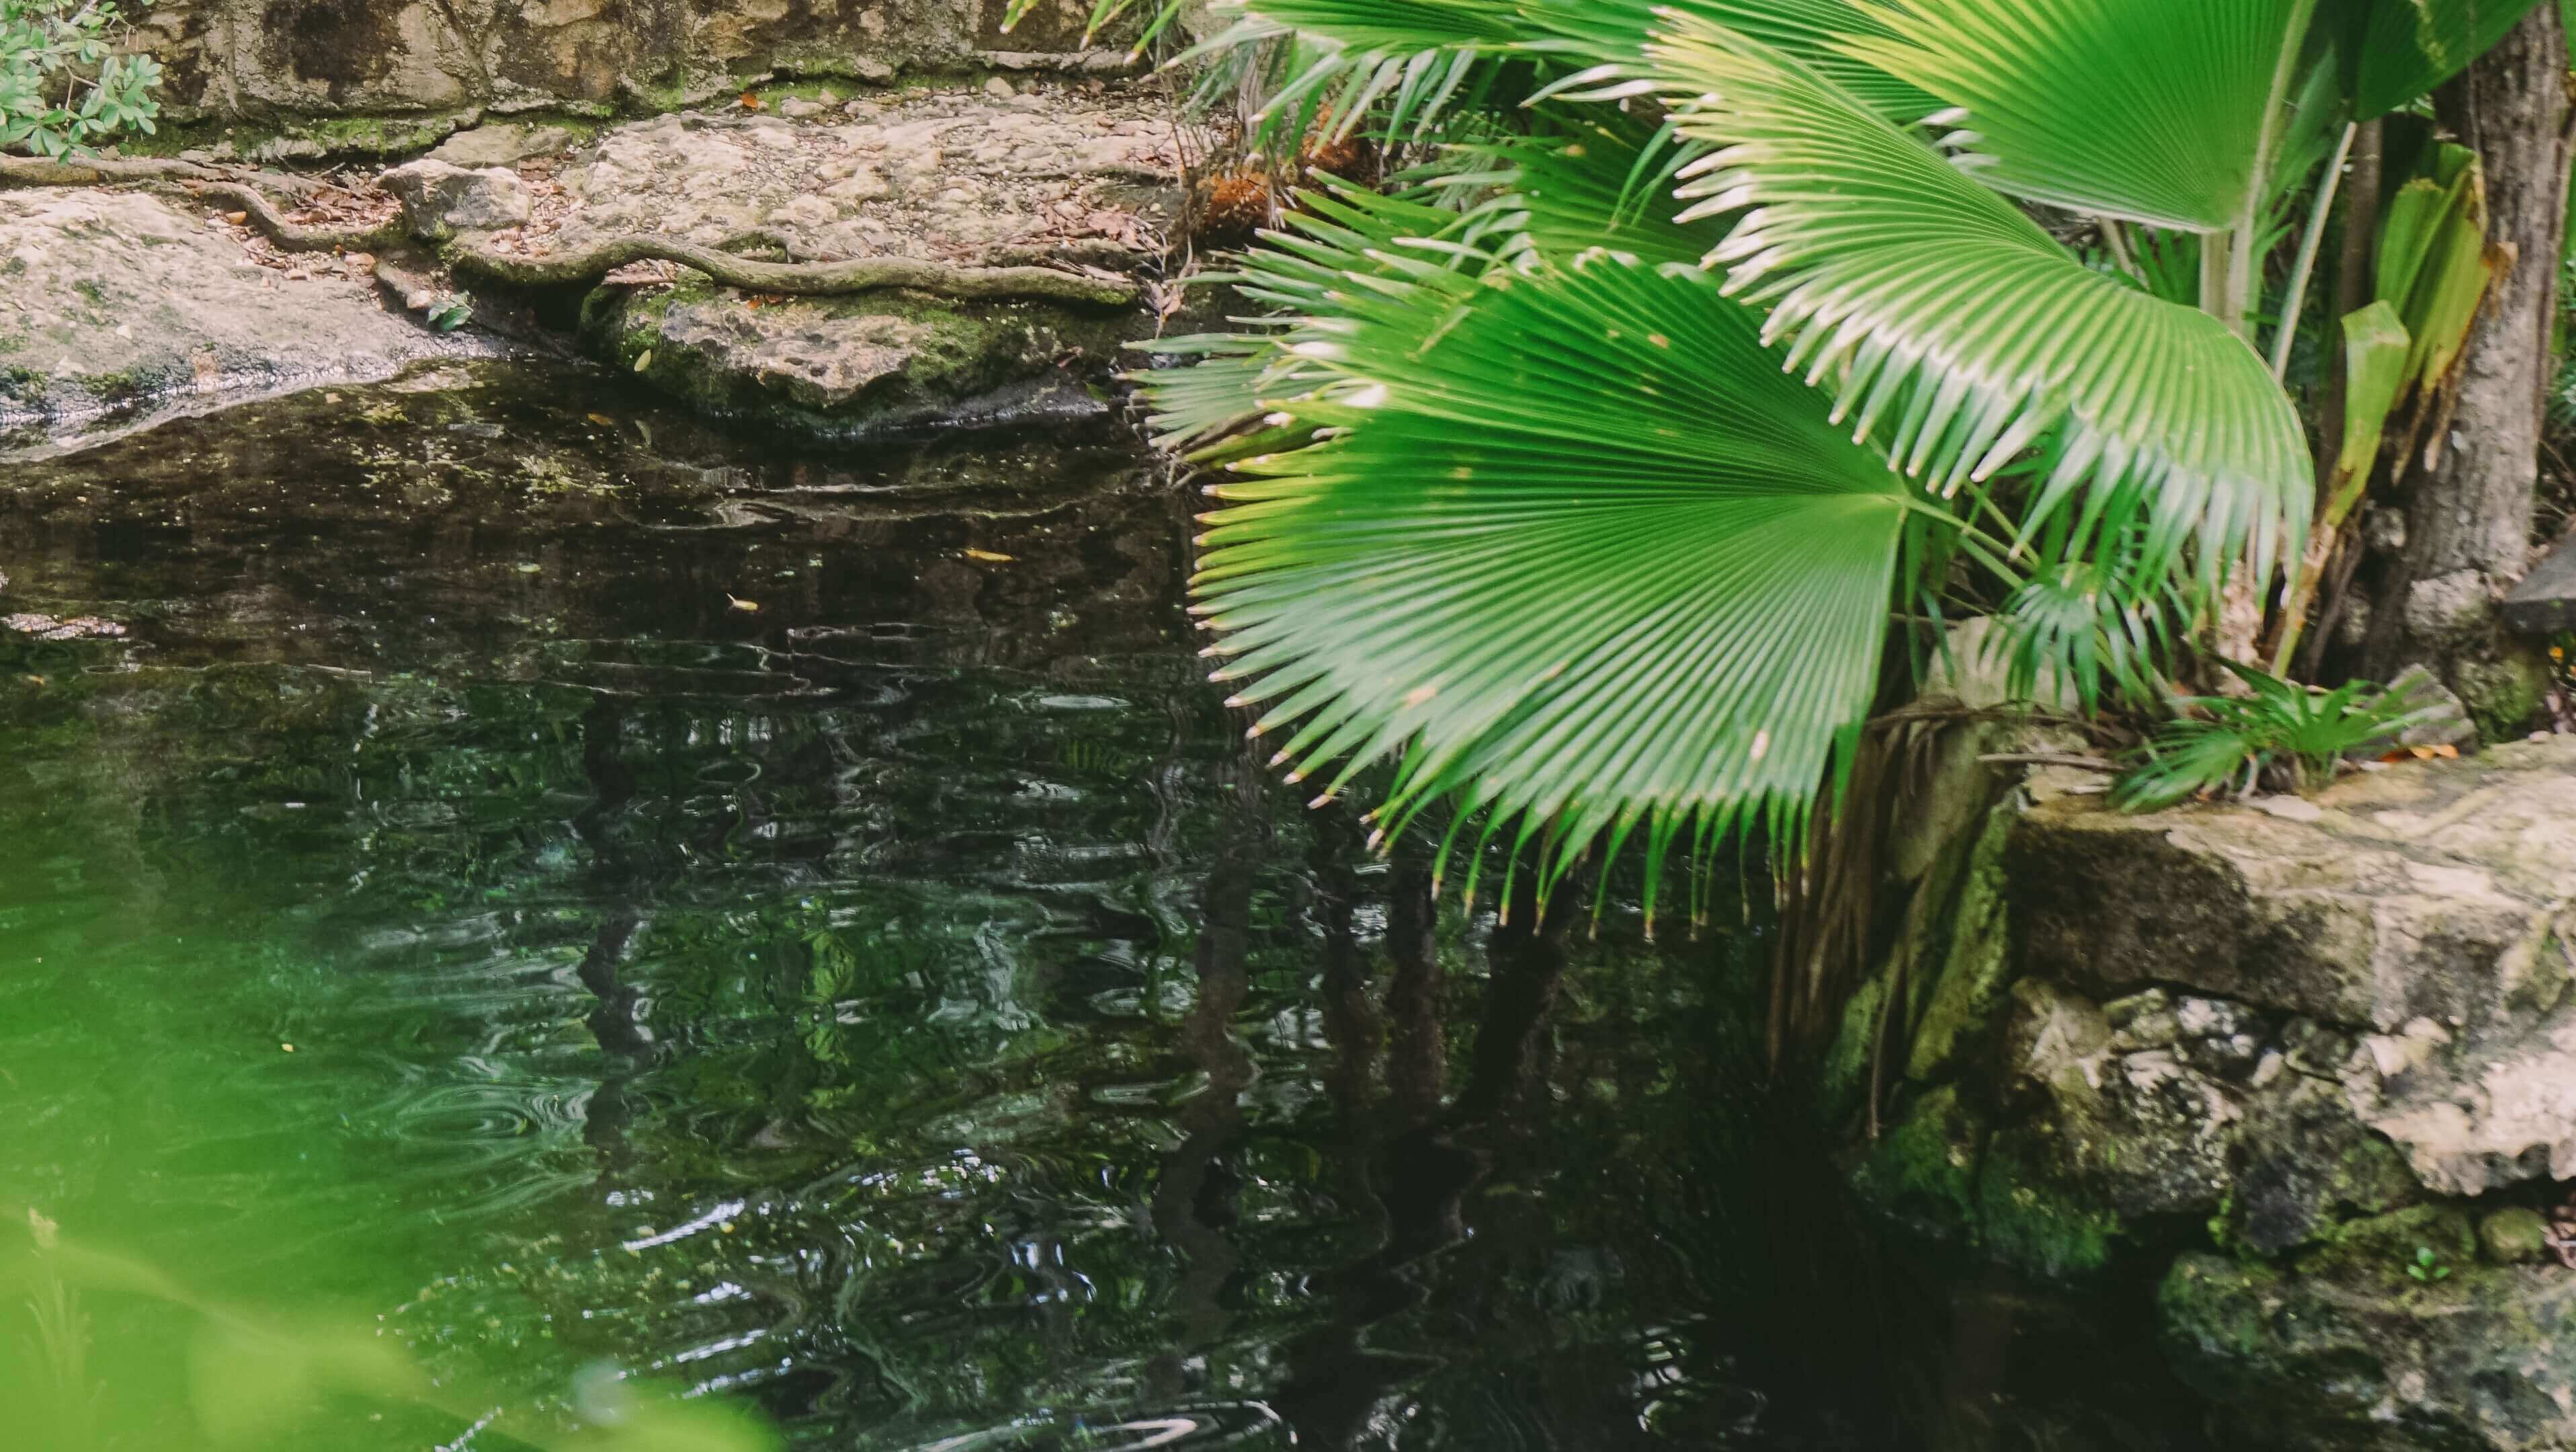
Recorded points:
(2317,1065)
(504,143)
(440,200)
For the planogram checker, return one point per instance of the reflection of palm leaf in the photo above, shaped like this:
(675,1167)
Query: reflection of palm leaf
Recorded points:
(1943,316)
(1583,549)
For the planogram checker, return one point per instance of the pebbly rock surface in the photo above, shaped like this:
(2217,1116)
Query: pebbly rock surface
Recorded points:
(2316,1059)
(956,174)
(117,307)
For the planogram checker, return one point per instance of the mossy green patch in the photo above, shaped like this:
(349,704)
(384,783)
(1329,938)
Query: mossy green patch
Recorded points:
(2027,1223)
(1923,1168)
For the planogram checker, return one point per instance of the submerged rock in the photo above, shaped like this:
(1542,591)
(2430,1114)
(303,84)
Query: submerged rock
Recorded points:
(115,306)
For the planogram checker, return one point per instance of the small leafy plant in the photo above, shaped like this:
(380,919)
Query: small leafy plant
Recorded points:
(2426,1266)
(451,311)
(2283,735)
(62,84)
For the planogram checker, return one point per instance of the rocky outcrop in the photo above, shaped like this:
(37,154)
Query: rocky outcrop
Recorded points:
(440,199)
(304,58)
(2320,1057)
(117,307)
(846,367)
(998,176)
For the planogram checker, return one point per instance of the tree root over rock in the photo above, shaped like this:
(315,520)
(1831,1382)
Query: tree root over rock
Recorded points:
(206,183)
(583,265)
(803,279)
(290,237)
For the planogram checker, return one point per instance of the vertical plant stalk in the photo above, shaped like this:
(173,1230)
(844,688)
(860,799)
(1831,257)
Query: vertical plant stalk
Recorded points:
(2229,283)
(2295,297)
(2354,280)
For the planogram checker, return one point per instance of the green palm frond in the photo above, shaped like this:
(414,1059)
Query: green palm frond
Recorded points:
(1338,234)
(1605,37)
(1592,183)
(1573,542)
(2157,112)
(1952,327)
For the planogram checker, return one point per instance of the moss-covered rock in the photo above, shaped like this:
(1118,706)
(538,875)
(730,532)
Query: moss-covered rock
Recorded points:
(844,367)
(2353,1352)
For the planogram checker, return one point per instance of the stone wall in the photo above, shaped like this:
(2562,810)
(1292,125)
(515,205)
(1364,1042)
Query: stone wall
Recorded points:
(307,58)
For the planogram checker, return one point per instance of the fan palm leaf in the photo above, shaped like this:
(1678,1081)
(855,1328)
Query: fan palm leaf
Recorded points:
(2160,113)
(1606,36)
(1574,543)
(1952,326)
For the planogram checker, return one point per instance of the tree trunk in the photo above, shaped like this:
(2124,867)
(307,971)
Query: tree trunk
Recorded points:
(2467,521)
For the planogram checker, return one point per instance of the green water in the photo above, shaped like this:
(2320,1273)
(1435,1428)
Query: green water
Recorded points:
(566,894)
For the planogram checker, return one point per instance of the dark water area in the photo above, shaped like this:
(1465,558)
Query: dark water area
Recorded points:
(581,895)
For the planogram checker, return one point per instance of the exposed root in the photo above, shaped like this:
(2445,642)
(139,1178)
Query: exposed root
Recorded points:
(588,264)
(804,279)
(206,183)
(32,171)
(288,236)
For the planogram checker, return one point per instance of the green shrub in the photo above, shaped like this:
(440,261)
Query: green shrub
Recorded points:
(62,84)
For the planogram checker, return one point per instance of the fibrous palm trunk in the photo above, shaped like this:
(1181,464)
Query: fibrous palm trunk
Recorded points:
(2468,516)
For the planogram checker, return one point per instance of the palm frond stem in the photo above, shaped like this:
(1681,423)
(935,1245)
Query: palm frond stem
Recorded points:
(2296,296)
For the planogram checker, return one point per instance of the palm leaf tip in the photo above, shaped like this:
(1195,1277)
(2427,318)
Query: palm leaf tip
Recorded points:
(1956,332)
(1591,561)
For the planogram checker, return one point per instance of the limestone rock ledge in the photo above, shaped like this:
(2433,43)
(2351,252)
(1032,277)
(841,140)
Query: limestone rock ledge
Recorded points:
(116,308)
(1043,174)
(2316,1059)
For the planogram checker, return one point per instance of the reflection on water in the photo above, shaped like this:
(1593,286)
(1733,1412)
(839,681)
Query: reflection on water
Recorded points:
(584,894)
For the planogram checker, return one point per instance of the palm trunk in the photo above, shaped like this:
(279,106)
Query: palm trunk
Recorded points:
(2468,520)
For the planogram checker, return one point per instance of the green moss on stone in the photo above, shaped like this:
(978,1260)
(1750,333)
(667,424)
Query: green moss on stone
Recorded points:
(2381,1247)
(2037,1230)
(1923,1168)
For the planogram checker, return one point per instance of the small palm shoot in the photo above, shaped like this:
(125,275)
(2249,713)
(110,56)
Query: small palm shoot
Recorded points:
(2280,735)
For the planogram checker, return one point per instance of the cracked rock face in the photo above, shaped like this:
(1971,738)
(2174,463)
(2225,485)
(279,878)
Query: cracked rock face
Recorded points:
(2425,910)
(951,175)
(335,57)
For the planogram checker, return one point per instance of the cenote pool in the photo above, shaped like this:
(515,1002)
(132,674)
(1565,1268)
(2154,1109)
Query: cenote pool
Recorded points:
(560,894)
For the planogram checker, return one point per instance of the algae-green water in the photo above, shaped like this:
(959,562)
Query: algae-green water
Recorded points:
(547,902)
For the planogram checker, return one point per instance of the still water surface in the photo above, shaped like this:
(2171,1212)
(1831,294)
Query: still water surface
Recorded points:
(588,896)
